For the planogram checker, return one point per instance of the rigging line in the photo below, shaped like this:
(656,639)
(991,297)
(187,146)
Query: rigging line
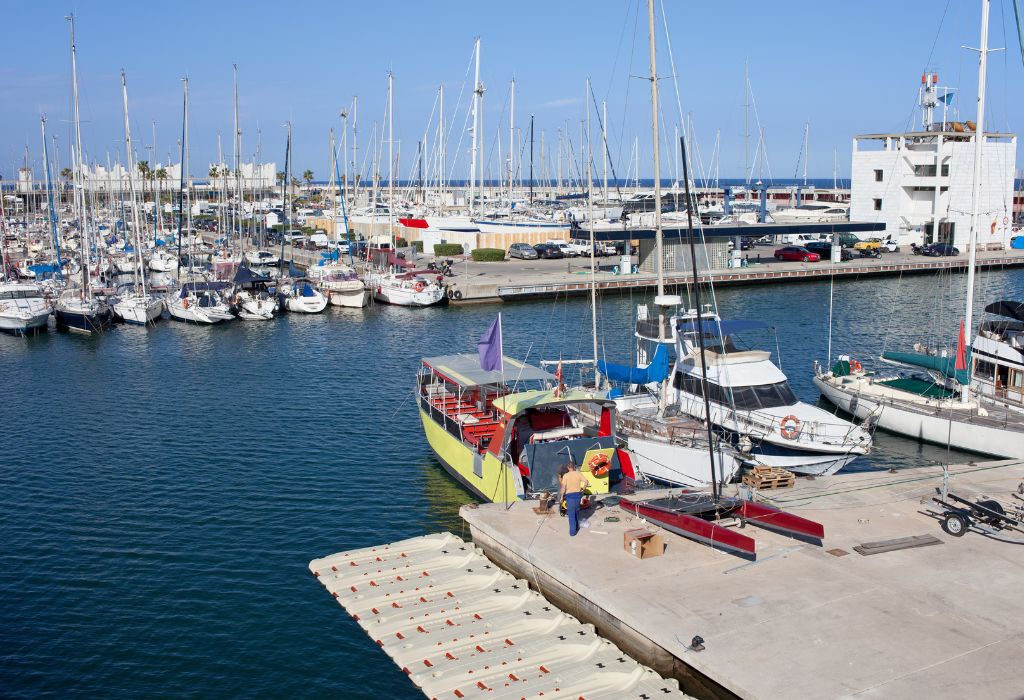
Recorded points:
(629,72)
(1020,29)
(603,130)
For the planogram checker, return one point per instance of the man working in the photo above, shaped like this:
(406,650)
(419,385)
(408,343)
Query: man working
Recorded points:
(572,485)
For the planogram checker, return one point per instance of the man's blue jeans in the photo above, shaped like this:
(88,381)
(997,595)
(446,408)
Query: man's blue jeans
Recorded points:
(572,507)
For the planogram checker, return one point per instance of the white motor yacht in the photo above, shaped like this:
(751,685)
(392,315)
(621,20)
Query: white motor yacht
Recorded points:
(23,308)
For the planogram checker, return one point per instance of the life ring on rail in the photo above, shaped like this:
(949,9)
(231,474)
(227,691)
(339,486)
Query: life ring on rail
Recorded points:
(419,287)
(855,366)
(599,465)
(789,427)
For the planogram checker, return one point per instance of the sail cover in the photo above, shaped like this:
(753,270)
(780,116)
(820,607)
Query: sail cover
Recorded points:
(656,371)
(944,365)
(1009,309)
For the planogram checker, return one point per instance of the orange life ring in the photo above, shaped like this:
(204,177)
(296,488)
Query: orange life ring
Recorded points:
(599,465)
(855,366)
(789,427)
(419,287)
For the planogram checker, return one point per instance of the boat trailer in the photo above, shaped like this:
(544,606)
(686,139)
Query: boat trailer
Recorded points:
(986,516)
(699,516)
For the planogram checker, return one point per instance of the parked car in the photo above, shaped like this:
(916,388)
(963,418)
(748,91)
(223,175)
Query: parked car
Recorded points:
(796,252)
(546,250)
(620,248)
(940,249)
(824,250)
(583,245)
(523,251)
(871,244)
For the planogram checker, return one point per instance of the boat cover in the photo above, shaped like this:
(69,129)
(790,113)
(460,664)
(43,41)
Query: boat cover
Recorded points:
(655,371)
(307,290)
(465,370)
(1009,309)
(201,287)
(944,365)
(245,275)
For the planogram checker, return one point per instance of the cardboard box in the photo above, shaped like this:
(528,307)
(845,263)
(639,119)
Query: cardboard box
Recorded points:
(642,543)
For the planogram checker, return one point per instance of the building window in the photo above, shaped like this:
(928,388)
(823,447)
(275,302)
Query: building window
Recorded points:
(878,204)
(924,170)
(945,170)
(878,176)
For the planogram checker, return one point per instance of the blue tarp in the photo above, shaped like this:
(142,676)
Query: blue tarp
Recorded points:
(711,326)
(331,256)
(1017,242)
(656,371)
(307,291)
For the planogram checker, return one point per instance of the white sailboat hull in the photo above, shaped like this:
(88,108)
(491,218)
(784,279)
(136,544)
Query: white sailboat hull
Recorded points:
(306,305)
(680,465)
(353,294)
(938,426)
(139,310)
(196,314)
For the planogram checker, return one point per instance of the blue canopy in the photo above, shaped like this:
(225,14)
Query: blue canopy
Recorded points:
(328,257)
(729,327)
(656,371)
(307,290)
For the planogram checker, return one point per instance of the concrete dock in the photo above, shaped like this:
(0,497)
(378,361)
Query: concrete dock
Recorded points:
(803,620)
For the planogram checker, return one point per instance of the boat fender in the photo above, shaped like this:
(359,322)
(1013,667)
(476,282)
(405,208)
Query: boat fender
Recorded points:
(419,287)
(789,427)
(745,444)
(457,294)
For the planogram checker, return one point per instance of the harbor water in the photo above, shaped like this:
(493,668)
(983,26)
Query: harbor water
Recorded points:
(163,489)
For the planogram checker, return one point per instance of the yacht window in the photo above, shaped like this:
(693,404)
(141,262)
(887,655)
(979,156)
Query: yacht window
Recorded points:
(773,395)
(985,370)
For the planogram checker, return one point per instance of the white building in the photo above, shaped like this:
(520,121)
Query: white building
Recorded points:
(920,184)
(259,176)
(25,180)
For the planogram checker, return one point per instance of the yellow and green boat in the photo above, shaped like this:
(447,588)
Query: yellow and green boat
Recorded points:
(506,434)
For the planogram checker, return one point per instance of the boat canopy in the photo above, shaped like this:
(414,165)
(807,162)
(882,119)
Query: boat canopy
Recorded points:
(201,287)
(465,370)
(944,365)
(245,275)
(1009,309)
(655,371)
(514,404)
(399,262)
(711,326)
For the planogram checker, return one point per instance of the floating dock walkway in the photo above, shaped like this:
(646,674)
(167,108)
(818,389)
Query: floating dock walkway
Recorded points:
(460,627)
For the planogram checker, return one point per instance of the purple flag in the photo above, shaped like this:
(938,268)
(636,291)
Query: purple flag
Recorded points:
(489,347)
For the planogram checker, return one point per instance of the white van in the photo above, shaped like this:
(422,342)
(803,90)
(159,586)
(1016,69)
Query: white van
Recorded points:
(319,239)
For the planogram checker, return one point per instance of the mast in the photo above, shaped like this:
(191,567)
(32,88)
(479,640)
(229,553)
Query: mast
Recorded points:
(139,283)
(355,138)
(158,220)
(181,173)
(807,131)
(76,167)
(531,157)
(391,162)
(441,143)
(237,146)
(746,121)
(593,267)
(49,203)
(604,151)
(478,91)
(659,235)
(979,144)
(511,141)
(284,197)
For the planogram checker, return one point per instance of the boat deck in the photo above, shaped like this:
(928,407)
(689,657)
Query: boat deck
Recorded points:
(459,627)
(802,619)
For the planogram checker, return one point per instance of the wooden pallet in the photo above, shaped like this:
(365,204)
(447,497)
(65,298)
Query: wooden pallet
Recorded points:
(769,478)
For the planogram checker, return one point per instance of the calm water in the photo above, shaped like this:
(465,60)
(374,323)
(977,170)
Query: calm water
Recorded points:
(162,490)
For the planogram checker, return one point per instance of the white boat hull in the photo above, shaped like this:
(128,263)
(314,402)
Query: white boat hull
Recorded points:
(352,295)
(680,465)
(935,427)
(22,322)
(194,313)
(139,310)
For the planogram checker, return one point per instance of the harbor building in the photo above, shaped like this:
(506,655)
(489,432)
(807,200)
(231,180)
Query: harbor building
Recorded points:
(920,183)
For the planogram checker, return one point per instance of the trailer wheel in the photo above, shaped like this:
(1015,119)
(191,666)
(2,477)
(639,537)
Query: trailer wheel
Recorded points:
(954,524)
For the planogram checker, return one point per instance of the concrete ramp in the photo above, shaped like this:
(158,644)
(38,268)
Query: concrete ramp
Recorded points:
(460,627)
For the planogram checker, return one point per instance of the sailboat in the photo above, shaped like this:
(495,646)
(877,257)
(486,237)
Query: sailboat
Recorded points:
(136,306)
(935,405)
(391,282)
(23,307)
(77,309)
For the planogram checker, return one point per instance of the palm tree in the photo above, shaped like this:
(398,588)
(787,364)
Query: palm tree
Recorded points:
(308,177)
(161,175)
(280,178)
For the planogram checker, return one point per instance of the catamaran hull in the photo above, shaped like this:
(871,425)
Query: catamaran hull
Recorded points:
(935,428)
(680,465)
(485,476)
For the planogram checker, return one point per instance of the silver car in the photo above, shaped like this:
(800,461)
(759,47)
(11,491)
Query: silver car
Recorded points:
(524,251)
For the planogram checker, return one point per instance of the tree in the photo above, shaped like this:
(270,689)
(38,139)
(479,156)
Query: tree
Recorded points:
(161,175)
(214,172)
(308,177)
(280,178)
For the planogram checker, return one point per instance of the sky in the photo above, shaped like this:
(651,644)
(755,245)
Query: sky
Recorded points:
(843,67)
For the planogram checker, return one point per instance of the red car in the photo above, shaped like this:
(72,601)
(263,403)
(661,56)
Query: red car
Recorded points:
(796,252)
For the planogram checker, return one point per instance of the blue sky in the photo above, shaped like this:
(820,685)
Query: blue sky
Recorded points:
(847,67)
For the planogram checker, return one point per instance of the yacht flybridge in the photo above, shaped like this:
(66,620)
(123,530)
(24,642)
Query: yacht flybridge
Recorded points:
(504,434)
(997,356)
(752,404)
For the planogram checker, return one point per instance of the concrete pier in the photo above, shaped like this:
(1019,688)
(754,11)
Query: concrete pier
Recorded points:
(803,620)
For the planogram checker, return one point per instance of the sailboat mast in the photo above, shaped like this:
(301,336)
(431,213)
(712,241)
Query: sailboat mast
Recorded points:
(391,162)
(181,173)
(807,131)
(593,267)
(477,92)
(140,279)
(659,235)
(237,147)
(511,140)
(78,176)
(441,142)
(50,210)
(979,145)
